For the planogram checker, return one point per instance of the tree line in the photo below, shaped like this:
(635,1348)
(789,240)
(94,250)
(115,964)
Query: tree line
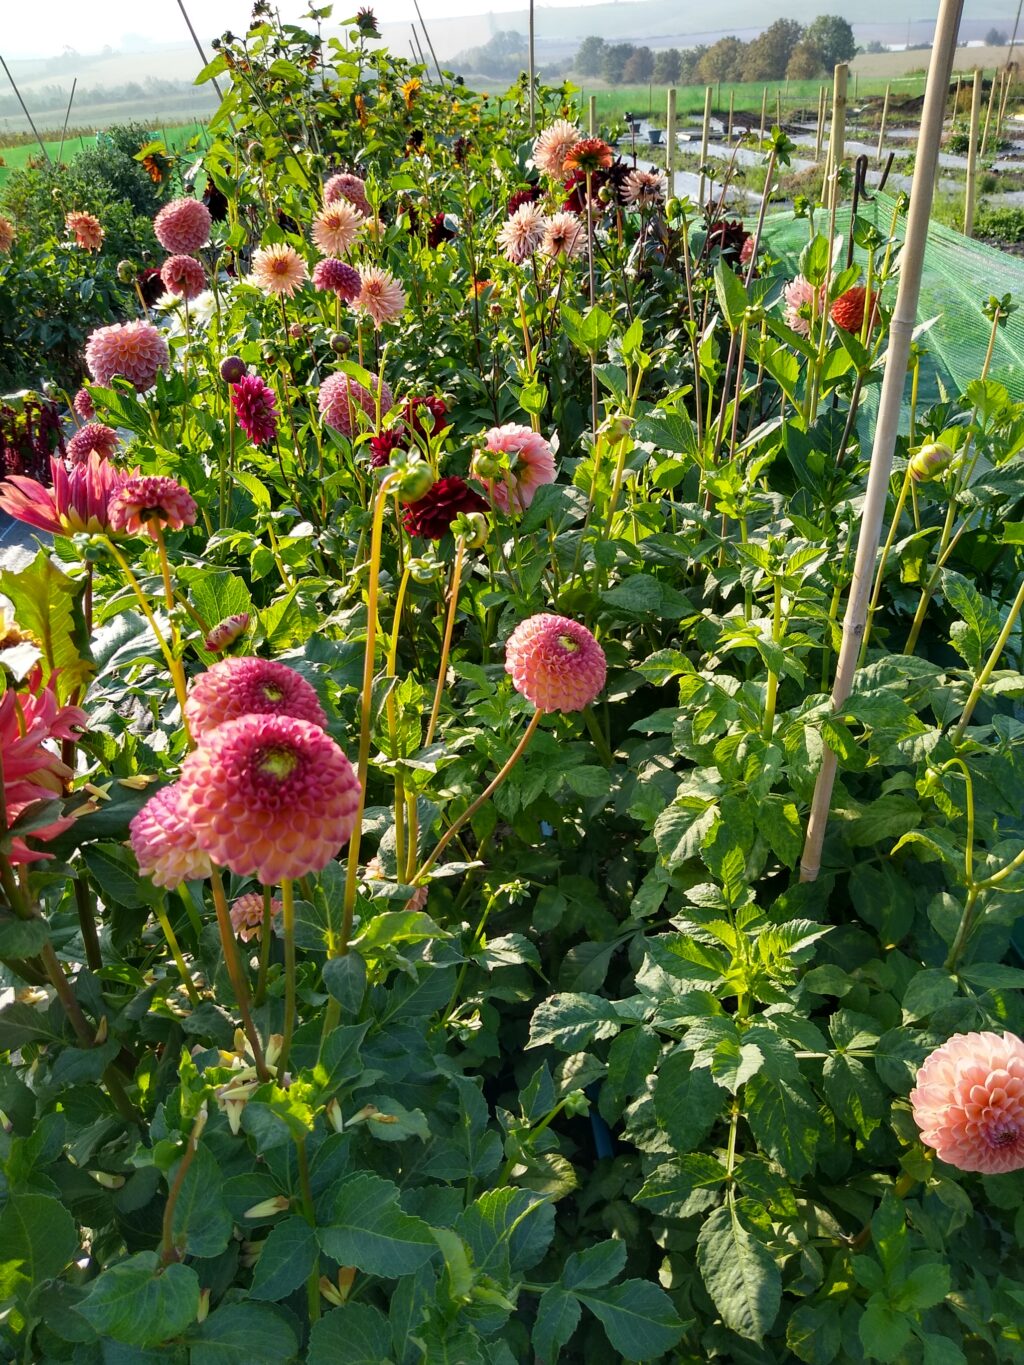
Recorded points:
(784,51)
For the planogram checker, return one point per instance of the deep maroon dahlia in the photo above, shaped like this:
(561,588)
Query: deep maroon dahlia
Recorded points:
(418,408)
(254,405)
(151,286)
(384,444)
(439,231)
(432,515)
(529,194)
(337,277)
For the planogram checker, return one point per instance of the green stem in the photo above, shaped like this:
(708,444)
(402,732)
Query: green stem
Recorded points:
(446,644)
(772,690)
(288,927)
(238,982)
(266,939)
(880,571)
(990,663)
(168,1250)
(179,961)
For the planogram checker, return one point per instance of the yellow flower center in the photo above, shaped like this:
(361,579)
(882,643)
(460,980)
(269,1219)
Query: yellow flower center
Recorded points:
(279,763)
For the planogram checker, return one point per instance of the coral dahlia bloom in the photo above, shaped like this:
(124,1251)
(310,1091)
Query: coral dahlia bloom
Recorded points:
(565,236)
(645,187)
(6,235)
(248,686)
(255,407)
(93,436)
(432,515)
(164,842)
(349,187)
(336,228)
(184,276)
(148,501)
(341,396)
(182,226)
(589,154)
(87,230)
(135,350)
(380,296)
(531,465)
(270,796)
(247,915)
(78,499)
(556,663)
(799,297)
(31,724)
(226,632)
(83,405)
(522,233)
(553,146)
(848,310)
(278,269)
(969,1102)
(337,277)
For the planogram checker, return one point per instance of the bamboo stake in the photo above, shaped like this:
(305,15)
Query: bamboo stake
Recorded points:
(881,128)
(24,108)
(971,191)
(199,49)
(764,111)
(956,100)
(533,81)
(704,142)
(778,107)
(419,48)
(430,45)
(592,116)
(997,79)
(1003,103)
(837,133)
(670,139)
(732,110)
(64,130)
(822,111)
(901,331)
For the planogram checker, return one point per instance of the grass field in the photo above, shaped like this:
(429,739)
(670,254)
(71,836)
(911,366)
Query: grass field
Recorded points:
(16,157)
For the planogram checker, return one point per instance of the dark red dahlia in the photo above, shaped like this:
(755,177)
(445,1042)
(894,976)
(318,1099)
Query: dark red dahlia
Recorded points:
(529,194)
(728,234)
(432,515)
(439,231)
(151,286)
(415,409)
(217,202)
(255,407)
(460,150)
(384,443)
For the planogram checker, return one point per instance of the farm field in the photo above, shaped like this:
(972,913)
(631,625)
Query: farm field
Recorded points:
(15,157)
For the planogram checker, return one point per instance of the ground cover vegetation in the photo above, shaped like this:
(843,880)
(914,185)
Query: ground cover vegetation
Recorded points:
(409,724)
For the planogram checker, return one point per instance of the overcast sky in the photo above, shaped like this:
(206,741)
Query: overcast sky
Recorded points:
(45,28)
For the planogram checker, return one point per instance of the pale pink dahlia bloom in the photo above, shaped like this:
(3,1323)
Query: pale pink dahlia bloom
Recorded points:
(799,297)
(6,235)
(78,499)
(87,230)
(247,915)
(531,464)
(380,296)
(553,146)
(135,350)
(336,228)
(349,187)
(340,396)
(564,235)
(164,842)
(522,233)
(969,1102)
(182,226)
(184,276)
(645,188)
(248,686)
(556,663)
(32,724)
(337,277)
(93,436)
(270,797)
(148,502)
(278,269)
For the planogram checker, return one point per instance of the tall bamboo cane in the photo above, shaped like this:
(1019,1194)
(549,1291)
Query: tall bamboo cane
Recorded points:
(897,357)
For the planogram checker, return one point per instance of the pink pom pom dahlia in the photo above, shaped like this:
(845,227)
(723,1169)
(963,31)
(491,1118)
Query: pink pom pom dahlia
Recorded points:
(93,436)
(380,296)
(164,842)
(247,915)
(184,276)
(799,298)
(531,464)
(278,269)
(78,499)
(87,230)
(337,277)
(31,725)
(83,405)
(148,502)
(249,686)
(336,228)
(270,797)
(255,407)
(135,350)
(969,1102)
(556,663)
(182,226)
(340,398)
(349,187)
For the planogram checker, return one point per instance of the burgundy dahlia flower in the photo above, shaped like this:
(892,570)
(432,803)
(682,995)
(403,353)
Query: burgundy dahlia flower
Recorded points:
(432,515)
(254,404)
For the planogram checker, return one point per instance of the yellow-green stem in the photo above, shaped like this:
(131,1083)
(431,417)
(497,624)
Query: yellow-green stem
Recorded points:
(288,928)
(446,643)
(235,971)
(876,592)
(179,961)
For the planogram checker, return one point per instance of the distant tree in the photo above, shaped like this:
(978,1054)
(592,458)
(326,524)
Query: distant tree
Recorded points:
(995,37)
(768,55)
(723,61)
(504,56)
(805,63)
(639,67)
(590,56)
(875,46)
(616,55)
(668,66)
(690,59)
(833,37)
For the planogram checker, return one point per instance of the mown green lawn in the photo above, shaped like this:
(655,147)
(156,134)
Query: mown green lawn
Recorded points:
(14,158)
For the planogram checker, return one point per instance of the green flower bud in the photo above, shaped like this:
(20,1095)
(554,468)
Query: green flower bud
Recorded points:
(127,272)
(340,343)
(486,465)
(931,461)
(473,528)
(415,480)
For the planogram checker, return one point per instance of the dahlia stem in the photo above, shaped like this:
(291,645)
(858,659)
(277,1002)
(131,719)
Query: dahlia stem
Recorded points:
(177,669)
(481,800)
(266,938)
(168,1251)
(366,712)
(238,982)
(179,961)
(880,572)
(288,925)
(449,626)
(230,467)
(990,663)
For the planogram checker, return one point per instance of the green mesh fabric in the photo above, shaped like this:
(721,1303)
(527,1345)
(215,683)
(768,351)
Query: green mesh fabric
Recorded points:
(959,276)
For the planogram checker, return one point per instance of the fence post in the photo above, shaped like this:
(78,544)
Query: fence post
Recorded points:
(971,191)
(670,140)
(764,110)
(881,127)
(732,109)
(704,141)
(592,116)
(837,133)
(822,110)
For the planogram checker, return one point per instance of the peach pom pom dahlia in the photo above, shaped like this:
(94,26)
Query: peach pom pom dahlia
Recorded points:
(556,663)
(969,1102)
(244,686)
(164,842)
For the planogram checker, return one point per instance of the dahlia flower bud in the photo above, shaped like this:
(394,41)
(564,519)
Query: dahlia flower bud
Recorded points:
(415,480)
(247,921)
(340,343)
(473,528)
(556,663)
(969,1102)
(83,405)
(226,632)
(232,369)
(203,1311)
(486,465)
(127,272)
(931,461)
(425,569)
(266,1208)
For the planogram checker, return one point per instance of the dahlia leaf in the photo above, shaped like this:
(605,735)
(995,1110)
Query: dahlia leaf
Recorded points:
(368,1229)
(243,1334)
(47,605)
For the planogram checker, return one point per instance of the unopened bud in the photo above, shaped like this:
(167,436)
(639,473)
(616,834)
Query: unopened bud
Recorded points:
(487,466)
(367,1112)
(127,272)
(266,1208)
(226,632)
(256,152)
(333,1115)
(931,461)
(424,570)
(273,1049)
(109,1182)
(415,480)
(340,343)
(473,528)
(232,369)
(204,1305)
(330,1293)
(617,428)
(101,1032)
(296,331)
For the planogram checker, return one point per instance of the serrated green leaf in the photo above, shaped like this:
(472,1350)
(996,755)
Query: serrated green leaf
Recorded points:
(243,1334)
(356,1334)
(572,1021)
(558,1315)
(739,1273)
(594,1266)
(288,1256)
(141,1303)
(46,604)
(38,1238)
(365,1227)
(638,1317)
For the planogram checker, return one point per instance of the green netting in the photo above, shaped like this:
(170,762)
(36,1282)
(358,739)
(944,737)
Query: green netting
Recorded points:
(959,275)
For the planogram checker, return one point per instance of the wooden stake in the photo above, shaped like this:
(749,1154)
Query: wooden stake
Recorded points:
(592,116)
(430,45)
(764,110)
(956,99)
(42,144)
(997,78)
(532,75)
(837,133)
(1004,100)
(732,110)
(881,127)
(64,130)
(971,192)
(778,107)
(670,140)
(901,331)
(822,111)
(704,141)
